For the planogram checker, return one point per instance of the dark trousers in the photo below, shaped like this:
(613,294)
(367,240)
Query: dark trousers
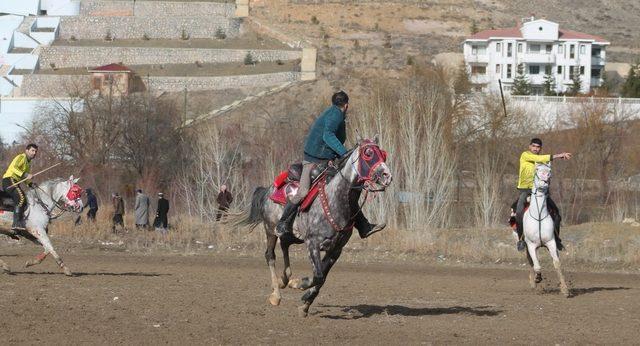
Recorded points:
(117,220)
(16,193)
(91,214)
(163,220)
(221,211)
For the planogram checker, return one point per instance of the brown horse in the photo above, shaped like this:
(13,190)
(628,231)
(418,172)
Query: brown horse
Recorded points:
(327,224)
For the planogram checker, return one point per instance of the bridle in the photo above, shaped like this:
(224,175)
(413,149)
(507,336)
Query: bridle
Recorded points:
(370,156)
(74,193)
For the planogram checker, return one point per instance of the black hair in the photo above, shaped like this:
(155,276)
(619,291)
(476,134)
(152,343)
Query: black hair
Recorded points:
(537,141)
(31,145)
(340,99)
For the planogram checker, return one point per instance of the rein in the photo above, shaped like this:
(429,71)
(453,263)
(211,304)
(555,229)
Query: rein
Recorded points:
(56,204)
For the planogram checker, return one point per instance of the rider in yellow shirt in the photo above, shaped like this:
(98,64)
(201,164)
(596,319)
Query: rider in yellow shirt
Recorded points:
(19,169)
(528,160)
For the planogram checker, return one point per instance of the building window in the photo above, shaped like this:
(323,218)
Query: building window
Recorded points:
(559,69)
(582,70)
(547,69)
(96,82)
(498,69)
(595,73)
(596,52)
(508,70)
(561,49)
(548,49)
(474,50)
(534,48)
(519,47)
(572,51)
(499,47)
(509,49)
(583,49)
(534,69)
(478,69)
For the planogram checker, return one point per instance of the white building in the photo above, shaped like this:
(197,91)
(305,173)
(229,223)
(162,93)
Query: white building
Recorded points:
(543,48)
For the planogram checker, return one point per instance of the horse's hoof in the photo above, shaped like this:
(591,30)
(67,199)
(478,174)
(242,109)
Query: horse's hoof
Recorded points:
(303,311)
(538,278)
(67,272)
(565,291)
(29,264)
(295,283)
(6,269)
(282,283)
(274,300)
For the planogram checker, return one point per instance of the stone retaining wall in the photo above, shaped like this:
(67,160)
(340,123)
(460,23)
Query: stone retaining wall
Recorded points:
(154,8)
(72,56)
(45,85)
(137,27)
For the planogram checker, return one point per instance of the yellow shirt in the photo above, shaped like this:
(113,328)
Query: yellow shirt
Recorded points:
(18,168)
(528,162)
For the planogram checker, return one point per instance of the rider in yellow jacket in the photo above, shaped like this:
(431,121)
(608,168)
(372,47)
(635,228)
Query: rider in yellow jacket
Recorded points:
(528,160)
(19,169)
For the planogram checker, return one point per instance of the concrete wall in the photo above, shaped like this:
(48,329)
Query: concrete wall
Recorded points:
(41,85)
(135,28)
(69,56)
(154,8)
(20,7)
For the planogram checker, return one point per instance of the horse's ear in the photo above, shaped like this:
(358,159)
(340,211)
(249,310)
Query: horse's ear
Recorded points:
(75,181)
(71,177)
(376,139)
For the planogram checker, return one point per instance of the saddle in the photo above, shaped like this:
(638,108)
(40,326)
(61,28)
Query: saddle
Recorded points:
(287,182)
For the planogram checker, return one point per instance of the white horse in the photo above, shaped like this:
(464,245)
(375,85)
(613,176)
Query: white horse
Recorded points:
(538,228)
(46,201)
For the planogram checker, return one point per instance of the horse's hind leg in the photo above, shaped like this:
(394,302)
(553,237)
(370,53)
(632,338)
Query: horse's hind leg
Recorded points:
(316,262)
(286,273)
(270,256)
(553,251)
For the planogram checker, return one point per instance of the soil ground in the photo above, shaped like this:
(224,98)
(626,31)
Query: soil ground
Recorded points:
(119,297)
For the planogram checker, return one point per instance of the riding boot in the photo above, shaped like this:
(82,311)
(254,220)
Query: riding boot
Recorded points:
(521,244)
(285,224)
(365,228)
(18,219)
(556,230)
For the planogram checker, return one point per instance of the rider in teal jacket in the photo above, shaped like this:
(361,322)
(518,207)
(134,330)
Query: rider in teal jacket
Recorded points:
(325,142)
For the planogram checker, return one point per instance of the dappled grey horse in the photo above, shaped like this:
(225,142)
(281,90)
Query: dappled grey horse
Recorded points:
(327,224)
(47,201)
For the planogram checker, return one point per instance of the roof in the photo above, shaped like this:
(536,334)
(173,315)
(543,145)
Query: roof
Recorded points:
(514,32)
(111,68)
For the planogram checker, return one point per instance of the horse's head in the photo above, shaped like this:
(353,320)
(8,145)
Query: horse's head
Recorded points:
(69,193)
(542,177)
(371,169)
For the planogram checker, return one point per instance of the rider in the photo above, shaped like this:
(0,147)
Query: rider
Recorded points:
(324,142)
(19,170)
(528,160)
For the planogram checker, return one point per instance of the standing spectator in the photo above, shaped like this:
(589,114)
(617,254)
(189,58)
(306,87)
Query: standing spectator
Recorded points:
(161,221)
(92,202)
(118,211)
(224,201)
(142,209)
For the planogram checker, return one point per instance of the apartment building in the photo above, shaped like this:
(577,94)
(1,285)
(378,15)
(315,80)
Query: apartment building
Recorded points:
(543,48)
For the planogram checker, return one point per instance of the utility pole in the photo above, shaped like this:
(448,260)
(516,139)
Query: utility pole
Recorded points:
(184,120)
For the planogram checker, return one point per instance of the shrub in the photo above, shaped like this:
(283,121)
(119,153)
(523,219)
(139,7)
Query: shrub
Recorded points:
(108,36)
(314,20)
(279,62)
(145,37)
(184,35)
(220,34)
(248,59)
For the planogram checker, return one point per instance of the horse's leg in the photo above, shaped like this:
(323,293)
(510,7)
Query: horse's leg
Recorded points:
(536,263)
(270,256)
(327,263)
(5,267)
(553,251)
(286,273)
(532,274)
(43,238)
(313,244)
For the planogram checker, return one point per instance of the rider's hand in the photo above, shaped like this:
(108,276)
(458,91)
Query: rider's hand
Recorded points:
(567,156)
(29,176)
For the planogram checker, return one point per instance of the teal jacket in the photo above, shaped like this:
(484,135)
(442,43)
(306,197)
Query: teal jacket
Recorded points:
(326,136)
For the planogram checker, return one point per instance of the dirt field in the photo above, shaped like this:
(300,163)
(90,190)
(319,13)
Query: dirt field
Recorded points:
(117,297)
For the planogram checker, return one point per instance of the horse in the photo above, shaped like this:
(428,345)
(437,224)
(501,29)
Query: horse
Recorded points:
(46,201)
(327,224)
(539,230)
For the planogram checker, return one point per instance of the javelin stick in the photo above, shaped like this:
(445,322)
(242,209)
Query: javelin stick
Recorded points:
(33,175)
(502,96)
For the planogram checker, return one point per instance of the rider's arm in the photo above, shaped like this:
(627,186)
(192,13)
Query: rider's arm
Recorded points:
(531,157)
(329,135)
(18,166)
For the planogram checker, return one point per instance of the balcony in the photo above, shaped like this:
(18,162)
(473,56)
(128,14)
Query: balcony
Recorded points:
(538,58)
(597,61)
(478,59)
(479,79)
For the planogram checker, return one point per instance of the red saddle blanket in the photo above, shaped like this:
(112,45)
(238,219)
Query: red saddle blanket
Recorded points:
(284,189)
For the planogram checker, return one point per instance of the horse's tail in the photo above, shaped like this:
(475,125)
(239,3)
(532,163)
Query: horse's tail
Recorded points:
(254,215)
